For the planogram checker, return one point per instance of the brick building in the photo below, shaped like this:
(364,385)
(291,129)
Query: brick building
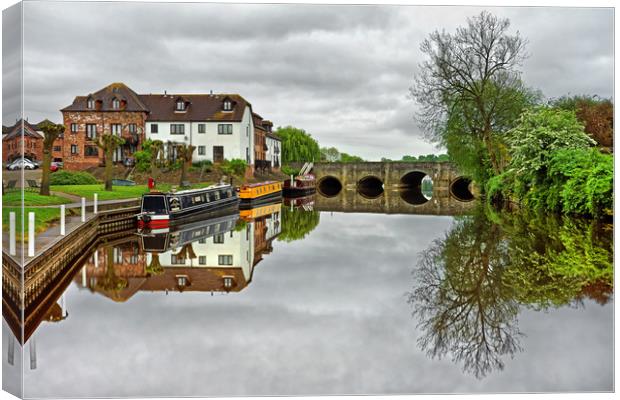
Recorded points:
(25,138)
(115,109)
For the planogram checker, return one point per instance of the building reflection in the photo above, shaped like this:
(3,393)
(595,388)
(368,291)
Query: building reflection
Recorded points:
(218,255)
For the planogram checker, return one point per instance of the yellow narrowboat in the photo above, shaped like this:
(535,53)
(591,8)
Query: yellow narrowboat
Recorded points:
(259,193)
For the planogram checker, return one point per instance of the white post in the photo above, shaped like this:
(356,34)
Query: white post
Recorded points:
(30,234)
(84,276)
(62,219)
(12,233)
(95,205)
(83,209)
(96,255)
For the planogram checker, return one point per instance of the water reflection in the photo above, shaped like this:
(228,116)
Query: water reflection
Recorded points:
(471,284)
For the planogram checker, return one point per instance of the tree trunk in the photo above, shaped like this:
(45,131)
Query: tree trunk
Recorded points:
(183,172)
(492,156)
(109,151)
(45,177)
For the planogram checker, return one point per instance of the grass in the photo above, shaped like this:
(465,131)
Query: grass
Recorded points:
(118,192)
(31,199)
(44,217)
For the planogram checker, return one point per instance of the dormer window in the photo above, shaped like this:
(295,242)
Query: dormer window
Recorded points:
(116,104)
(227,105)
(228,282)
(180,105)
(90,103)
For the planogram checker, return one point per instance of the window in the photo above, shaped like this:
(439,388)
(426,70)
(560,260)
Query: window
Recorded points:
(202,260)
(227,105)
(74,149)
(177,129)
(247,155)
(202,241)
(218,239)
(202,128)
(91,131)
(202,150)
(90,104)
(74,128)
(91,151)
(115,129)
(116,104)
(247,131)
(176,259)
(57,148)
(132,128)
(224,129)
(153,128)
(228,282)
(180,106)
(225,259)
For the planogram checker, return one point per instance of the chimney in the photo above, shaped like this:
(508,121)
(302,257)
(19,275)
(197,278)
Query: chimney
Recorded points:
(165,92)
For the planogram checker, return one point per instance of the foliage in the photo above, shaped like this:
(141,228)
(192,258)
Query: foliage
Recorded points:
(427,158)
(108,143)
(206,164)
(72,178)
(288,170)
(330,154)
(185,153)
(143,160)
(347,158)
(236,167)
(596,114)
(298,145)
(470,90)
(297,223)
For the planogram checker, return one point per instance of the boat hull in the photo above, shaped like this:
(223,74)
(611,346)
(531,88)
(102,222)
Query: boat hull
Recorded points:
(298,191)
(266,199)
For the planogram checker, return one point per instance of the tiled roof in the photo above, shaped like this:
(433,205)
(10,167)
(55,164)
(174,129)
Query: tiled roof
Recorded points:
(105,96)
(199,107)
(16,130)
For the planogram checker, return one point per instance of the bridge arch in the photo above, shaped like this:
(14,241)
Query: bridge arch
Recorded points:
(329,186)
(459,189)
(411,187)
(370,187)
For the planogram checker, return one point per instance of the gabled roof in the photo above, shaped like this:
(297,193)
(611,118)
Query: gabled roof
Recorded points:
(258,122)
(105,96)
(201,107)
(28,130)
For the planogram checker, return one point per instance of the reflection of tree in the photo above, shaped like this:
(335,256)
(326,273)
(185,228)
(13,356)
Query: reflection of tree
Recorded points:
(471,284)
(297,223)
(187,251)
(464,308)
(154,267)
(110,281)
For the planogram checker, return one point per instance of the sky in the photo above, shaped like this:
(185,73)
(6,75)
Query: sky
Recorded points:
(342,73)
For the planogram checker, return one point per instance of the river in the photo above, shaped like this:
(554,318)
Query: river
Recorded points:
(294,300)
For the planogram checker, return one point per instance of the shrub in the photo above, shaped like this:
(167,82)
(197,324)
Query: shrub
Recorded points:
(235,166)
(288,170)
(206,164)
(143,160)
(72,178)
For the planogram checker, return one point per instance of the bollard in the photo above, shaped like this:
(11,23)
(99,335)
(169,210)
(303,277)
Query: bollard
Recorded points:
(30,234)
(83,209)
(95,205)
(62,219)
(12,233)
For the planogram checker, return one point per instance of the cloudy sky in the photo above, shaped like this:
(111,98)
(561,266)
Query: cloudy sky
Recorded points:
(341,73)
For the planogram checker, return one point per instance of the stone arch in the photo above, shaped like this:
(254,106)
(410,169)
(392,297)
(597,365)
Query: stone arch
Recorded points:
(459,189)
(329,186)
(370,187)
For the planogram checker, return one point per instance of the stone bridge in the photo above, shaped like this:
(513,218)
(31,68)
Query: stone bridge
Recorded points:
(371,179)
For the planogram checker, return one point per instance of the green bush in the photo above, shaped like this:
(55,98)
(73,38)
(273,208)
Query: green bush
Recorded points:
(72,178)
(288,170)
(143,160)
(235,166)
(208,165)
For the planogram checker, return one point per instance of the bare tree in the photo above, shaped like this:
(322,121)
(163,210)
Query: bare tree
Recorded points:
(108,143)
(185,153)
(473,72)
(51,132)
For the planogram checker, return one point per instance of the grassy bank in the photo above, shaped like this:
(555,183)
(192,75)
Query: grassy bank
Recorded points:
(31,199)
(118,192)
(44,217)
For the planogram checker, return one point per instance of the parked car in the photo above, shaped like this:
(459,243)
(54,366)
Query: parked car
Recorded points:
(54,167)
(21,163)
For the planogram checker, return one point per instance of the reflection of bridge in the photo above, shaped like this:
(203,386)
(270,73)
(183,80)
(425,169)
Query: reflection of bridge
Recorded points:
(392,201)
(371,178)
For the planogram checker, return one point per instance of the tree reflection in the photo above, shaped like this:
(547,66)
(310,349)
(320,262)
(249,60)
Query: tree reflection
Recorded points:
(110,282)
(297,223)
(463,306)
(472,283)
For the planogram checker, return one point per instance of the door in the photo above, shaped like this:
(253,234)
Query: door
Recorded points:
(218,154)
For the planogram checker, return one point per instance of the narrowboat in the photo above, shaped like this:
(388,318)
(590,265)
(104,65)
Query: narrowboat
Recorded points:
(254,194)
(160,210)
(301,185)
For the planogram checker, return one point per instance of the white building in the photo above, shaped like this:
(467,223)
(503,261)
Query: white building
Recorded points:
(220,126)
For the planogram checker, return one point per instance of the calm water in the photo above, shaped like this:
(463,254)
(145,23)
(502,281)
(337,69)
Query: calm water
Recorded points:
(293,301)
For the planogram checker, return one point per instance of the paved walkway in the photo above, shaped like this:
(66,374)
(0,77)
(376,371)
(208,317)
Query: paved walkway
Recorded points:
(50,236)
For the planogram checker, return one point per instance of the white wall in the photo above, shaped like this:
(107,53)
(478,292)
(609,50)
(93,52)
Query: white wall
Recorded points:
(270,154)
(235,144)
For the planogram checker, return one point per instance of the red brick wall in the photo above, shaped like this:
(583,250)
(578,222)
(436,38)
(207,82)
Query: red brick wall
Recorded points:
(102,120)
(12,148)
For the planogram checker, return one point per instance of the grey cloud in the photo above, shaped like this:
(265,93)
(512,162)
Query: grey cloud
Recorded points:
(340,72)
